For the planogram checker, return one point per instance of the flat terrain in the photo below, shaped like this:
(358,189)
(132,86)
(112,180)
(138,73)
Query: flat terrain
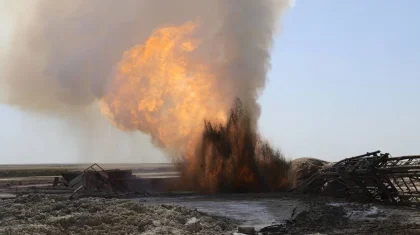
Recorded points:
(212,214)
(56,169)
(21,175)
(39,209)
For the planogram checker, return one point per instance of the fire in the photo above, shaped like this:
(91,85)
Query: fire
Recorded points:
(232,157)
(160,90)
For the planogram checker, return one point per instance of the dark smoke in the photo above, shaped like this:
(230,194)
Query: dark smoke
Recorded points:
(234,158)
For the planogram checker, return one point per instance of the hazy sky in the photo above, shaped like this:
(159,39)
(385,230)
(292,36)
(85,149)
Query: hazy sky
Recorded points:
(345,79)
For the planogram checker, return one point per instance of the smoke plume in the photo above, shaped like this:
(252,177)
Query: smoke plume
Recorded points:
(65,55)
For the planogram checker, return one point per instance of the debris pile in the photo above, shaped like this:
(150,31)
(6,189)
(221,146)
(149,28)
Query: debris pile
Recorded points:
(373,177)
(95,181)
(320,218)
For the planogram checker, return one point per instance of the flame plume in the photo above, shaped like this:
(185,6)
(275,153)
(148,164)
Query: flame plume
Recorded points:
(159,67)
(159,90)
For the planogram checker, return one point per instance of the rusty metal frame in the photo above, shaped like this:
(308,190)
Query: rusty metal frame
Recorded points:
(101,181)
(373,176)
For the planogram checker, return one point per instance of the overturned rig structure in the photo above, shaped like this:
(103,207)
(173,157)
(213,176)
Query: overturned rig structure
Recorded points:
(96,181)
(373,176)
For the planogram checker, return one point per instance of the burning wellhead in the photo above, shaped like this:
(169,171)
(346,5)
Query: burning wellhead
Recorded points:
(158,68)
(163,90)
(232,157)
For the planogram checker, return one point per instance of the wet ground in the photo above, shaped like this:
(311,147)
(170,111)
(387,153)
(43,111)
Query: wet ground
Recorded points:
(221,214)
(251,210)
(305,215)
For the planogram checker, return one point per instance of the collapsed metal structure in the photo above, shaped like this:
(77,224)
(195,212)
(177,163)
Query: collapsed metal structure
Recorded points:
(373,176)
(96,181)
(95,178)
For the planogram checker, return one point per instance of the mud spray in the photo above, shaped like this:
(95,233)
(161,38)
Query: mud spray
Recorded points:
(187,73)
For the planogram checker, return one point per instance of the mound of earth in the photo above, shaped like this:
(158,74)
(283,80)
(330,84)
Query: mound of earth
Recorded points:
(304,168)
(47,214)
(322,218)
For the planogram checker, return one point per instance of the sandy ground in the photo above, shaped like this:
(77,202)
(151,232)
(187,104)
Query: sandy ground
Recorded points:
(222,214)
(35,212)
(43,214)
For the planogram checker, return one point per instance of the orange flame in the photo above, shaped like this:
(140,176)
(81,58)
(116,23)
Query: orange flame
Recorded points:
(160,90)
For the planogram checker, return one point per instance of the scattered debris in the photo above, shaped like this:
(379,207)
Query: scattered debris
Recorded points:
(372,177)
(246,230)
(56,181)
(282,228)
(344,218)
(274,229)
(95,181)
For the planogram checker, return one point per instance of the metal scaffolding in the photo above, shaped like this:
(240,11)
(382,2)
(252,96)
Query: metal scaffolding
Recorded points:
(372,176)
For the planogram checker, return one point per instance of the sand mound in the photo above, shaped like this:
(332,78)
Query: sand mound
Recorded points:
(304,168)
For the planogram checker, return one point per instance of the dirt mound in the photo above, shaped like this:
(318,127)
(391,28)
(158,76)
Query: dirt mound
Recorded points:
(304,168)
(40,214)
(329,219)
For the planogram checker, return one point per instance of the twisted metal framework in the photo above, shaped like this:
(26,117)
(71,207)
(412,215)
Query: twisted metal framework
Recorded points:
(371,176)
(97,181)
